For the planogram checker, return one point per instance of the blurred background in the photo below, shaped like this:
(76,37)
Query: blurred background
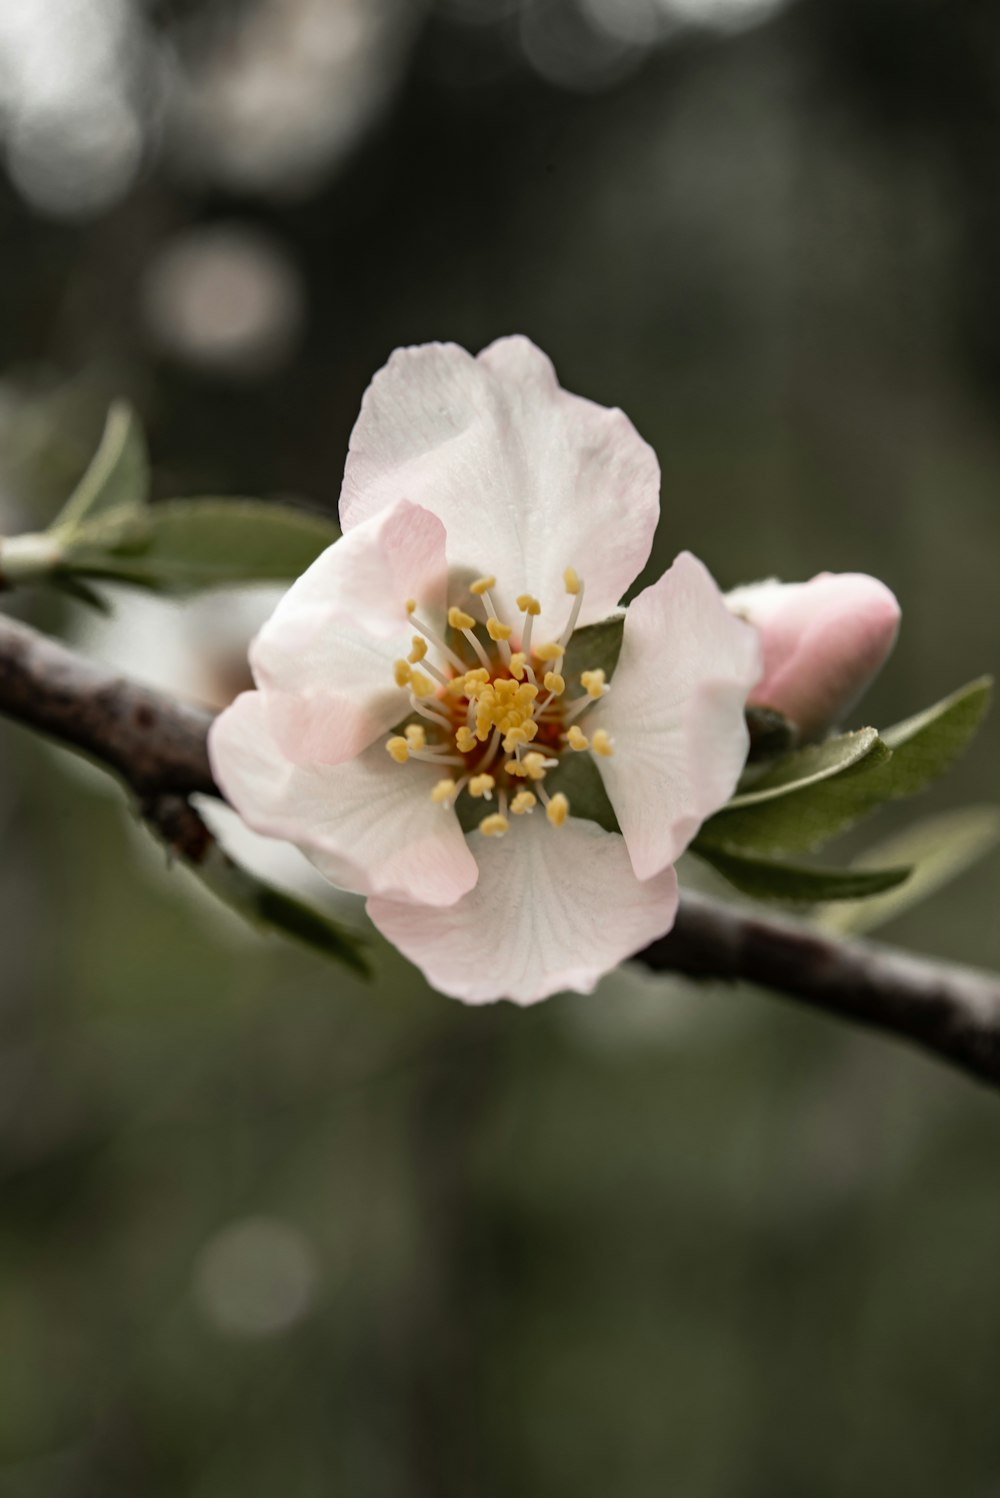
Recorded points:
(264,1229)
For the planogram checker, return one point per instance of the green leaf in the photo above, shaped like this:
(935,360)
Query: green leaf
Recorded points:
(766,880)
(596,647)
(270,909)
(939,848)
(809,766)
(906,759)
(118,475)
(184,545)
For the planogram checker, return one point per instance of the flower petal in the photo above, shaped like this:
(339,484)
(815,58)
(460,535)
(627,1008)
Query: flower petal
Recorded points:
(528,479)
(324,658)
(676,713)
(369,826)
(824,643)
(554,909)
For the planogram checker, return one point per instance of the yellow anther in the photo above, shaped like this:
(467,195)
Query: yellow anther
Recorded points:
(415,736)
(524,801)
(458,619)
(555,683)
(516,767)
(593,683)
(399,749)
(443,793)
(577,738)
(465,739)
(530,729)
(602,743)
(481,785)
(514,737)
(518,661)
(419,649)
(527,604)
(411,605)
(550,652)
(421,685)
(494,826)
(558,809)
(402,673)
(498,631)
(572,580)
(534,765)
(482,585)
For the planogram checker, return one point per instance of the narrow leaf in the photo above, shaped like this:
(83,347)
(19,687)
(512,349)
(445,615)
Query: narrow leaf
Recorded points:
(906,759)
(766,880)
(267,908)
(939,848)
(184,545)
(808,766)
(118,475)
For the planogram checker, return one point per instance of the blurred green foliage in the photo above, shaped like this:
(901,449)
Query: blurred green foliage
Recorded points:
(264,1229)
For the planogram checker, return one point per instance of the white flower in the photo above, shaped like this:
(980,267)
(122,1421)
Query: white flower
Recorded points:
(487,516)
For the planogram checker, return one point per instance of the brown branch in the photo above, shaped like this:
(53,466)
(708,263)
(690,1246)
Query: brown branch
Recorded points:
(158,747)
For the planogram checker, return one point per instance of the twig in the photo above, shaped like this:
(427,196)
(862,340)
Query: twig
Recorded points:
(158,747)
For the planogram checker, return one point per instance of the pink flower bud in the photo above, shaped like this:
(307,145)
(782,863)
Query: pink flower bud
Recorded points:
(824,643)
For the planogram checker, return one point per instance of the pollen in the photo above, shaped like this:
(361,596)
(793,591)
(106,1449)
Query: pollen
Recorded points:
(551,651)
(466,740)
(523,802)
(593,683)
(554,683)
(494,825)
(444,792)
(482,585)
(421,685)
(535,765)
(419,649)
(398,749)
(577,738)
(603,744)
(481,785)
(528,605)
(572,581)
(498,631)
(402,673)
(415,736)
(558,809)
(458,619)
(518,661)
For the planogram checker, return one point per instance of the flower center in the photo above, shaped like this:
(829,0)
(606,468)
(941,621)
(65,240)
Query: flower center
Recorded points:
(499,726)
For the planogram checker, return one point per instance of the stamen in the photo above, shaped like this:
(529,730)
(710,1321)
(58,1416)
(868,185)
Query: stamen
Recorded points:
(577,738)
(421,685)
(602,743)
(432,714)
(554,683)
(494,825)
(482,585)
(496,630)
(398,749)
(516,664)
(524,802)
(574,586)
(482,785)
(531,608)
(466,740)
(443,793)
(419,649)
(402,672)
(435,639)
(415,736)
(460,620)
(593,683)
(557,809)
(550,652)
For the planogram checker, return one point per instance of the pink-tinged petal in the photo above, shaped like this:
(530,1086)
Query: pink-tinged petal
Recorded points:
(369,825)
(824,643)
(528,479)
(324,659)
(554,909)
(676,713)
